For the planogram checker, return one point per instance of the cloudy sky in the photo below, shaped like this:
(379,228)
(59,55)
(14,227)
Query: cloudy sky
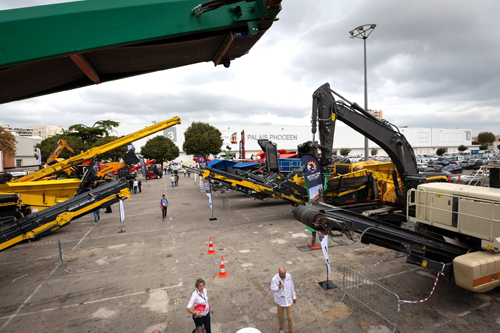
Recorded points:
(431,63)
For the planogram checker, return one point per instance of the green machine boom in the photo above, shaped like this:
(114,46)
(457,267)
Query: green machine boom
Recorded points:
(52,48)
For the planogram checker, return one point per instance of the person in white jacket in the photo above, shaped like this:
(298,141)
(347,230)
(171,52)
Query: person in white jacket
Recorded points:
(202,309)
(284,296)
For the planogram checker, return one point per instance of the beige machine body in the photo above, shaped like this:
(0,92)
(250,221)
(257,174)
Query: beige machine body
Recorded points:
(468,210)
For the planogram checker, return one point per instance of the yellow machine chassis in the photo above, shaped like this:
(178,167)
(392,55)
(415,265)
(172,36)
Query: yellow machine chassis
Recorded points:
(61,220)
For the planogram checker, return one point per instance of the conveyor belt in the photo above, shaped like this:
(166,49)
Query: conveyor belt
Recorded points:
(422,250)
(41,223)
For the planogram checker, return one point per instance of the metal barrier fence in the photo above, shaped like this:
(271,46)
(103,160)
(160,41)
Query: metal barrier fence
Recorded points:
(226,203)
(373,296)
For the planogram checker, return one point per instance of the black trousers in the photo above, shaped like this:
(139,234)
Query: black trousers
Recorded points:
(164,212)
(203,321)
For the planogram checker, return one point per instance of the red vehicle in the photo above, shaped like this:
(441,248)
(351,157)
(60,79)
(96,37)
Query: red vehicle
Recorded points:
(154,171)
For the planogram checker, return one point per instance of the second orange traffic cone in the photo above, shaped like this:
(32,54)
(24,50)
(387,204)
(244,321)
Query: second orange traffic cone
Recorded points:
(222,272)
(211,247)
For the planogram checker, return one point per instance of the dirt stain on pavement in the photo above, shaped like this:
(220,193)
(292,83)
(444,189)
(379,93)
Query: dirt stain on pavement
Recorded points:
(104,313)
(157,302)
(340,310)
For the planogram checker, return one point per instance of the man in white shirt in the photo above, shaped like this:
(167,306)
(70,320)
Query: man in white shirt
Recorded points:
(284,296)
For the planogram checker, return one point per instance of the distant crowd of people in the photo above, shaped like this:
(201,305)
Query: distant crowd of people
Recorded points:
(134,185)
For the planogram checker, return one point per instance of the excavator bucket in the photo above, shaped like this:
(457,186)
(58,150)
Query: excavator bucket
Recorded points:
(271,155)
(130,158)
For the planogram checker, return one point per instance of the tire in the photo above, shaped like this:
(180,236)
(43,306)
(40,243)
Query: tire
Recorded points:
(5,178)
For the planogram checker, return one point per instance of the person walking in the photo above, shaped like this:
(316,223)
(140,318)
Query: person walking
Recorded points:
(130,185)
(176,179)
(135,186)
(172,180)
(202,308)
(185,172)
(139,184)
(97,215)
(164,205)
(189,174)
(284,296)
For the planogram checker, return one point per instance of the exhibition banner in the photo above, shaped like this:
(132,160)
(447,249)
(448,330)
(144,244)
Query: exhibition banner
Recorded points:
(313,178)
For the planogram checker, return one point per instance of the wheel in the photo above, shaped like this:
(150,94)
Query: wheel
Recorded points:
(5,178)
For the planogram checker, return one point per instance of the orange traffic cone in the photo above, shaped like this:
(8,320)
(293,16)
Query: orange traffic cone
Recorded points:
(211,247)
(222,272)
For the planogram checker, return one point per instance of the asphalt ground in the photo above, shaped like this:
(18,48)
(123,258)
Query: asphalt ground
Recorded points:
(142,279)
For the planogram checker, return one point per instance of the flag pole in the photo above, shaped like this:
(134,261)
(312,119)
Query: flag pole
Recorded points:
(212,218)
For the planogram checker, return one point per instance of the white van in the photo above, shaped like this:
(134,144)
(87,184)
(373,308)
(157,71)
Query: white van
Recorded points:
(174,166)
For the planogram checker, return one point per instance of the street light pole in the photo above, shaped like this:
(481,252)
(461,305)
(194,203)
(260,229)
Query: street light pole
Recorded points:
(363,31)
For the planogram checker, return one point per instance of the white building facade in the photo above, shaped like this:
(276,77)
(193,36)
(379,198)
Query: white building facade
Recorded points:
(25,151)
(423,140)
(46,131)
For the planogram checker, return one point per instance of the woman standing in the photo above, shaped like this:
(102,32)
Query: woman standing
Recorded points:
(202,309)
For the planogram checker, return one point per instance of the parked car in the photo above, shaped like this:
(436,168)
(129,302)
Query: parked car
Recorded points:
(453,169)
(478,173)
(478,163)
(421,166)
(465,164)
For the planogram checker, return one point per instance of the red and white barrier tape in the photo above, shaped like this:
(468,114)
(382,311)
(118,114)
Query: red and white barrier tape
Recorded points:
(44,243)
(381,260)
(19,278)
(432,291)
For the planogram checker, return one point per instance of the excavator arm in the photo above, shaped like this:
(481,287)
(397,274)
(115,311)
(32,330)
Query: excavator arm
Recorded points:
(326,111)
(61,144)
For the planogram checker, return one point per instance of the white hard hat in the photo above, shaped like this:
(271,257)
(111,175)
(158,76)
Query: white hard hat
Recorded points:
(248,330)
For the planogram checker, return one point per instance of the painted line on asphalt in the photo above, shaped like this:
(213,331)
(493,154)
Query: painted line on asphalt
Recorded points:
(400,273)
(463,314)
(25,301)
(79,304)
(81,240)
(98,270)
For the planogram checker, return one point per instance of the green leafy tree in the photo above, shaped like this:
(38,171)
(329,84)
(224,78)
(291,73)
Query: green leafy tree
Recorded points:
(475,142)
(441,151)
(48,145)
(7,143)
(485,137)
(89,135)
(483,147)
(160,148)
(374,152)
(462,148)
(114,155)
(344,151)
(202,138)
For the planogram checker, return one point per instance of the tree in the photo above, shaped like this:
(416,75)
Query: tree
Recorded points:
(7,143)
(89,135)
(48,145)
(202,138)
(374,151)
(462,148)
(441,151)
(114,155)
(344,151)
(483,147)
(160,148)
(485,137)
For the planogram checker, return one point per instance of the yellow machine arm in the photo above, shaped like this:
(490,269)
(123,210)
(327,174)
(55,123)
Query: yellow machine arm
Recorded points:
(110,167)
(237,183)
(61,144)
(61,220)
(98,150)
